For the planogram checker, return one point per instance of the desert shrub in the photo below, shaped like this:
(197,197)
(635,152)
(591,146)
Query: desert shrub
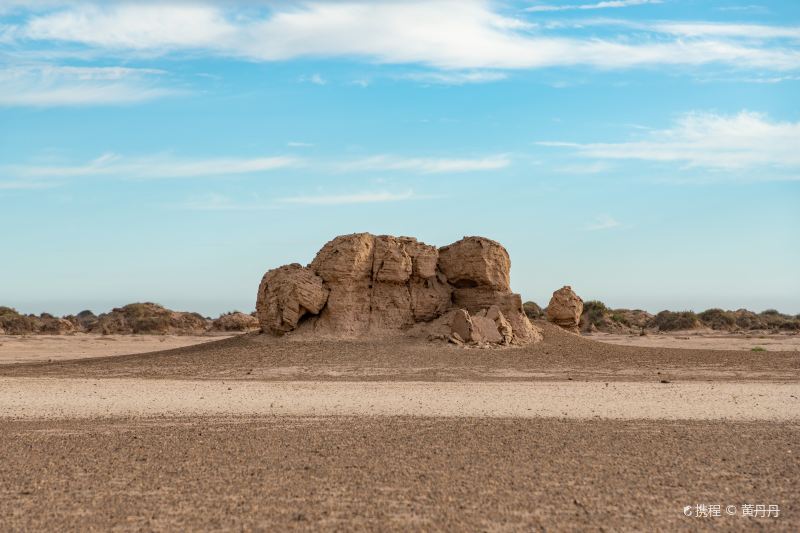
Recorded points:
(772,319)
(717,319)
(14,323)
(620,318)
(671,321)
(8,311)
(532,310)
(235,321)
(594,311)
(748,320)
(758,349)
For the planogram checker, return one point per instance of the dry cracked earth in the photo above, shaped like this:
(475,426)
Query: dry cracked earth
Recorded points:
(257,433)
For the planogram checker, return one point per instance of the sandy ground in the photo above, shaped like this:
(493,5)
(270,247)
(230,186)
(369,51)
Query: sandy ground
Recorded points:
(37,348)
(706,341)
(258,433)
(41,348)
(82,398)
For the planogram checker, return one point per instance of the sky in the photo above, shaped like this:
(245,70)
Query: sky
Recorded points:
(645,152)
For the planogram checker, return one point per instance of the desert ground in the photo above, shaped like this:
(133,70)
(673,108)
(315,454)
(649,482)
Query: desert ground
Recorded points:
(257,432)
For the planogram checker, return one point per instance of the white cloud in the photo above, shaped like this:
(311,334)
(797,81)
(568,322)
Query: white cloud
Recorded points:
(160,166)
(445,34)
(598,5)
(298,144)
(367,197)
(49,85)
(130,26)
(745,141)
(425,165)
(602,222)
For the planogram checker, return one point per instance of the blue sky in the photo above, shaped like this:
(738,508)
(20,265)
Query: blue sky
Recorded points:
(646,153)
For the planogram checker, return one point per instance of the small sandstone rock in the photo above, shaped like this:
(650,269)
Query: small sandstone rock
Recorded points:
(565,309)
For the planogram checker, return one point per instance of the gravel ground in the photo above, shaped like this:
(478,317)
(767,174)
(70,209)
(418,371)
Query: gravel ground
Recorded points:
(394,473)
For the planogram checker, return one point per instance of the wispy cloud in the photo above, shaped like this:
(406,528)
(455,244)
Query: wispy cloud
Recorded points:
(23,185)
(456,78)
(364,197)
(710,29)
(299,144)
(448,35)
(159,166)
(745,141)
(316,79)
(220,202)
(426,165)
(608,4)
(49,85)
(602,222)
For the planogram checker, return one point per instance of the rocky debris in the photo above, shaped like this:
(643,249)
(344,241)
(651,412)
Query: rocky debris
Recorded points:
(235,321)
(565,309)
(149,318)
(367,285)
(286,294)
(50,325)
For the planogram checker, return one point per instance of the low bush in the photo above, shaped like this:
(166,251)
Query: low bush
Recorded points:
(671,321)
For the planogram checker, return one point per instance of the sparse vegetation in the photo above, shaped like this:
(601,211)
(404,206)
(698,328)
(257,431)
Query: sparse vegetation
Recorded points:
(594,314)
(758,349)
(718,319)
(672,321)
(532,310)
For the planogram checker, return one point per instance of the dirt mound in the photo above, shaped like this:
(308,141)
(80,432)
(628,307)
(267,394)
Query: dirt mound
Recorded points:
(565,309)
(149,318)
(235,321)
(365,285)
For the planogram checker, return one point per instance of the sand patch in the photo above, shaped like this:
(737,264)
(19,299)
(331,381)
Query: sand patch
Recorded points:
(86,398)
(40,348)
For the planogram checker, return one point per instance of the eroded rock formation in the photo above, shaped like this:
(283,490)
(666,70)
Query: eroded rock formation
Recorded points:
(565,309)
(362,284)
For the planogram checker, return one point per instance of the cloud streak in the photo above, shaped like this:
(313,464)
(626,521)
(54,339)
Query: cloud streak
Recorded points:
(49,85)
(152,167)
(425,165)
(746,141)
(608,4)
(364,197)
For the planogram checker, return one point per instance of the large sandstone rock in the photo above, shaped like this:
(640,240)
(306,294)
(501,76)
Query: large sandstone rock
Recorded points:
(565,309)
(286,294)
(362,284)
